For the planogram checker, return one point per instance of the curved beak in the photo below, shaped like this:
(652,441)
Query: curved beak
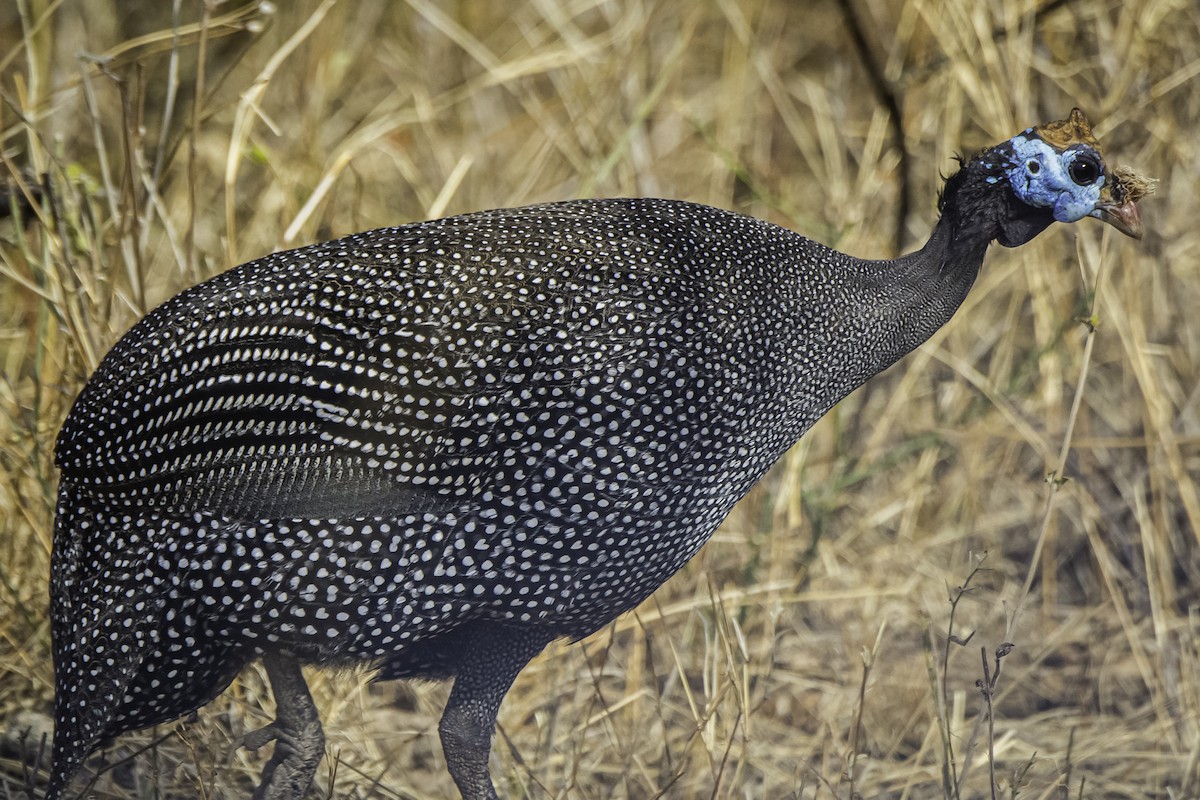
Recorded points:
(1122,216)
(1117,196)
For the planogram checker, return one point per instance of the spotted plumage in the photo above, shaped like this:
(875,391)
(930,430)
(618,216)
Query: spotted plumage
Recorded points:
(440,446)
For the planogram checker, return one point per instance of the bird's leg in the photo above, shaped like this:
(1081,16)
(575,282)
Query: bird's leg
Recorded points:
(489,664)
(296,731)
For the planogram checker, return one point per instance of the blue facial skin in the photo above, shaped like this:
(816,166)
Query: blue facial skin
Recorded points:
(1067,182)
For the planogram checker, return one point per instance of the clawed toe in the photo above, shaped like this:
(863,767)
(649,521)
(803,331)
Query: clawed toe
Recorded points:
(254,740)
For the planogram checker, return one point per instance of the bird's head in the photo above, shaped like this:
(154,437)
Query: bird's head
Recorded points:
(1056,172)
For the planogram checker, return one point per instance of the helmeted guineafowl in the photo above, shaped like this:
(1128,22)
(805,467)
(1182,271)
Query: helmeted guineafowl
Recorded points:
(441,446)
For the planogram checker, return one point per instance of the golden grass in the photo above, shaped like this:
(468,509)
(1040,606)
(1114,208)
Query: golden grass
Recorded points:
(804,653)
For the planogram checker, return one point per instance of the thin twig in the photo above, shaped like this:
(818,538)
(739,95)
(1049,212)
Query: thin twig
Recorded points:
(868,660)
(1056,478)
(941,715)
(985,686)
(197,107)
(164,126)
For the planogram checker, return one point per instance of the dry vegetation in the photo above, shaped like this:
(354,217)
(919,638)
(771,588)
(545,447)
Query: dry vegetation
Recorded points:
(817,648)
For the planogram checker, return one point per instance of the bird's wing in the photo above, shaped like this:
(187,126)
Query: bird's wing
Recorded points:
(389,372)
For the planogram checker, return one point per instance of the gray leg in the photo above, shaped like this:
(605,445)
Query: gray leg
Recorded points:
(488,665)
(296,731)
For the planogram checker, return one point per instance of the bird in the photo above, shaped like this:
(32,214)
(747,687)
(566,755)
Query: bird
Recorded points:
(438,447)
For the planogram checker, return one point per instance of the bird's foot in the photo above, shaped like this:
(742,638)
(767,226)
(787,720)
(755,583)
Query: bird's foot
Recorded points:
(296,731)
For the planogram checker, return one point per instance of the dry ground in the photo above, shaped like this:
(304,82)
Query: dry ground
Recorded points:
(808,651)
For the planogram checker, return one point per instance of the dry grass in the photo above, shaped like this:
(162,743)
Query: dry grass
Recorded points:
(805,652)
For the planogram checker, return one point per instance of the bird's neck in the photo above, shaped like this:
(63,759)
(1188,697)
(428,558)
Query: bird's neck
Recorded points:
(915,295)
(870,315)
(945,268)
(928,285)
(952,248)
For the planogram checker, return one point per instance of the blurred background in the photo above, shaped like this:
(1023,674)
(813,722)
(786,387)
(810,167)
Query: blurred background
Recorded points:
(1027,477)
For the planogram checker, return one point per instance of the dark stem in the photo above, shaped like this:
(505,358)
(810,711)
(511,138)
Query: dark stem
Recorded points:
(886,94)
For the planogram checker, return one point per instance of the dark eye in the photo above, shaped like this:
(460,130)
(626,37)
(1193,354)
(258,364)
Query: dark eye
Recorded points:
(1085,169)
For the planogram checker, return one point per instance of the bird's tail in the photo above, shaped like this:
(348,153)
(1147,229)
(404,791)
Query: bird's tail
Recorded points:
(95,632)
(129,651)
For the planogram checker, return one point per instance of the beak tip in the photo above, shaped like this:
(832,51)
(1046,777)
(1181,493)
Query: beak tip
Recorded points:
(1124,217)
